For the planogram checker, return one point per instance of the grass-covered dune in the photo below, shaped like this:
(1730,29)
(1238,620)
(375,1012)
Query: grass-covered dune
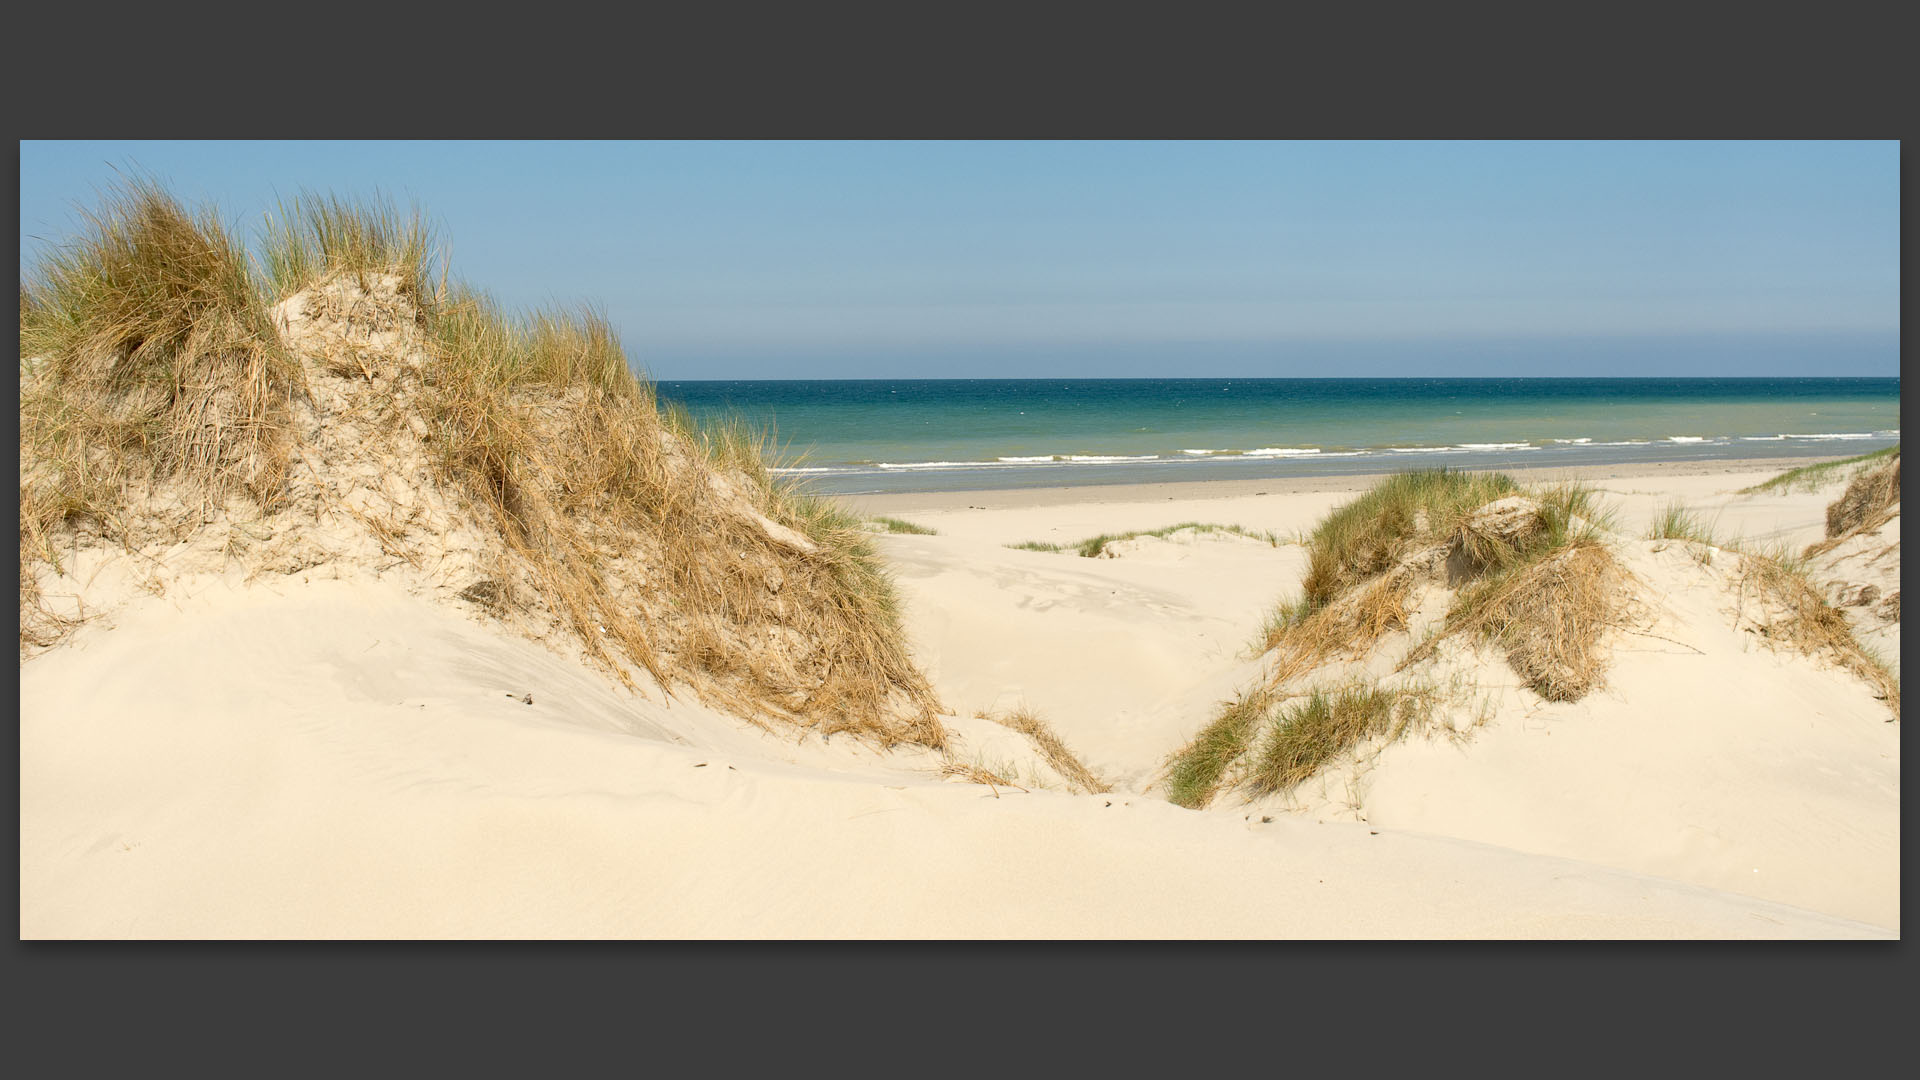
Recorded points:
(1813,477)
(1406,583)
(324,397)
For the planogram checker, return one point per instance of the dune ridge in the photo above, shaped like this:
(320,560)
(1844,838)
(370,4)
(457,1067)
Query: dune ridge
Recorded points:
(375,421)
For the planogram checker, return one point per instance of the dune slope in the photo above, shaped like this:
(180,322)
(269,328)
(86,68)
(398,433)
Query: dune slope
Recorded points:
(344,759)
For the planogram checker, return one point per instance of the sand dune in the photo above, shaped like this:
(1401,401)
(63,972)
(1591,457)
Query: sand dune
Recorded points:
(345,760)
(1706,758)
(324,758)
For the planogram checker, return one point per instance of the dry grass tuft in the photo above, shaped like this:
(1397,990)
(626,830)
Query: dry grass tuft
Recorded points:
(1865,503)
(900,527)
(978,775)
(1064,761)
(1512,531)
(1570,512)
(1676,522)
(1796,615)
(313,236)
(1478,541)
(1301,738)
(147,360)
(1549,615)
(1533,573)
(1373,532)
(1300,637)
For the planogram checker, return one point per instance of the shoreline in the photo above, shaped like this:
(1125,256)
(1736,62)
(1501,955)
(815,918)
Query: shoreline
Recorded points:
(976,477)
(873,503)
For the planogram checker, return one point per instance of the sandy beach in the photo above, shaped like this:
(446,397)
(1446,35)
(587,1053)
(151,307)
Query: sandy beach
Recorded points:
(1205,490)
(341,757)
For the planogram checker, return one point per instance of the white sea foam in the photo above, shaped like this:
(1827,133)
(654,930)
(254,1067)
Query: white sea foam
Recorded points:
(936,464)
(1017,462)
(1303,453)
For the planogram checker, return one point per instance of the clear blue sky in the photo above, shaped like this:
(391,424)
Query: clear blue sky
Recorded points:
(854,260)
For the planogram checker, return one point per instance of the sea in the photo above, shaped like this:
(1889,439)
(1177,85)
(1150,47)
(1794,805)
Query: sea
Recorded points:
(876,435)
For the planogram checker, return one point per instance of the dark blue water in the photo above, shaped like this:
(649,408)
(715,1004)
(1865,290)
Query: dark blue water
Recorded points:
(882,435)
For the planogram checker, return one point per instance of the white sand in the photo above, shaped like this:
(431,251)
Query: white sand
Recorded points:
(337,758)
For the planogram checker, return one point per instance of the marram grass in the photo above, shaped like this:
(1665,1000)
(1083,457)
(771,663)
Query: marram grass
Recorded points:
(1091,547)
(147,358)
(149,355)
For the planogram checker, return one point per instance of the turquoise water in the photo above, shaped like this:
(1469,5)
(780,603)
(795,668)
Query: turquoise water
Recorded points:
(957,434)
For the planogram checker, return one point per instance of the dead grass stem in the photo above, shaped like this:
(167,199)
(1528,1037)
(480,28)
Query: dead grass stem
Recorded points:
(1064,760)
(979,775)
(1792,613)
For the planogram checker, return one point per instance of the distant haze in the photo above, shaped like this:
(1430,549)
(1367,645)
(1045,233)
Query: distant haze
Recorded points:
(993,260)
